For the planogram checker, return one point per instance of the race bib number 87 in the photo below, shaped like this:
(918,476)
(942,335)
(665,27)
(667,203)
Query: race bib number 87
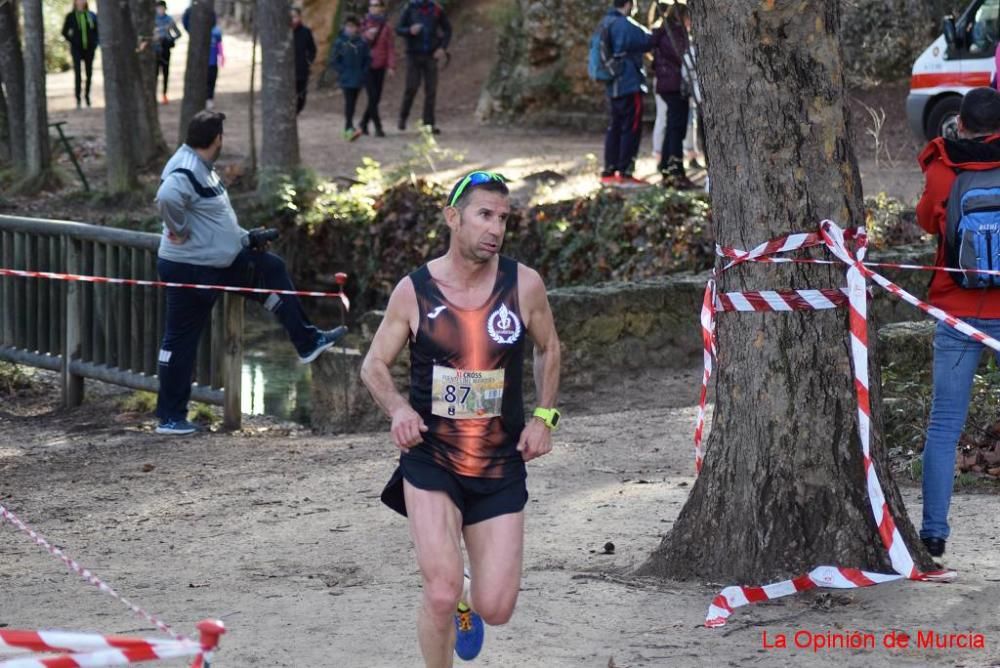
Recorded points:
(467,395)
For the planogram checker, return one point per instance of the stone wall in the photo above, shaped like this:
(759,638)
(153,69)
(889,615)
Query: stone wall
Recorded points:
(604,329)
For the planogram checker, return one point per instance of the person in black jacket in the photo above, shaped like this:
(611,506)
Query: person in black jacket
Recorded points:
(427,32)
(80,30)
(305,54)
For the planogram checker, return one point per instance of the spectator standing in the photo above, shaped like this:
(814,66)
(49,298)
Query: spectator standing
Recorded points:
(351,59)
(165,36)
(628,42)
(202,242)
(381,42)
(427,31)
(959,207)
(671,45)
(305,55)
(80,30)
(216,59)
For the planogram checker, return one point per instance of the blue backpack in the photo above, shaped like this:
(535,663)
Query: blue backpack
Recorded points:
(602,64)
(972,234)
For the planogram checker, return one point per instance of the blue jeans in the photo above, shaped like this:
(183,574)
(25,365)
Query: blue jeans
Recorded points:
(189,310)
(956,359)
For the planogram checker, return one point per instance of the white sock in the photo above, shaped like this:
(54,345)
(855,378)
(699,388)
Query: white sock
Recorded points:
(466,588)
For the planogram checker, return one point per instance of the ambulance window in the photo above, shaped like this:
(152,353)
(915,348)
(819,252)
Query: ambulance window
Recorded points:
(984,30)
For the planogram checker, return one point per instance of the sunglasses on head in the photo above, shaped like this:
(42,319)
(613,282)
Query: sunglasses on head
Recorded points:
(474,179)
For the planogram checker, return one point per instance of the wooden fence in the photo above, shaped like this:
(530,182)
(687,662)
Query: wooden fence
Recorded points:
(110,333)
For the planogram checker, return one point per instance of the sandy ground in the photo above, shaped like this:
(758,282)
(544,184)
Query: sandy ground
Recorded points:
(282,534)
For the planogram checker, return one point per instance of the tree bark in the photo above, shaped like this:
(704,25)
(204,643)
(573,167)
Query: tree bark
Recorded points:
(280,136)
(36,119)
(122,105)
(782,488)
(4,129)
(12,75)
(250,105)
(143,16)
(196,74)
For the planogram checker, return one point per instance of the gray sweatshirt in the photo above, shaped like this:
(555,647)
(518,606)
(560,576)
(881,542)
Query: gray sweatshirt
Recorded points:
(196,211)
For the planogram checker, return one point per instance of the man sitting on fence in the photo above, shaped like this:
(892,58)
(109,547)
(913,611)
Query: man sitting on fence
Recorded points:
(203,243)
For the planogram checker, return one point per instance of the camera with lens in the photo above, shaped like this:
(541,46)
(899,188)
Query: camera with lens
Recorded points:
(259,237)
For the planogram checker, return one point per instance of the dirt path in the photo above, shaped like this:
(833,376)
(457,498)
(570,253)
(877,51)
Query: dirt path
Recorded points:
(282,533)
(516,151)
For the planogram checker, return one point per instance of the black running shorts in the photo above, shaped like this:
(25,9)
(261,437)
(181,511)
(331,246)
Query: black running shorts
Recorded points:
(478,499)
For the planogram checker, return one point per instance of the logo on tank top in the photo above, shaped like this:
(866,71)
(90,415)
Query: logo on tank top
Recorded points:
(504,326)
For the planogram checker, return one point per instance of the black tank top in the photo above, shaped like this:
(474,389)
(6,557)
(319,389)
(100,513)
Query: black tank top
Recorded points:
(466,369)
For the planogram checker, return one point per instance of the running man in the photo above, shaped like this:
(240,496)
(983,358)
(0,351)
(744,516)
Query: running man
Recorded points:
(462,433)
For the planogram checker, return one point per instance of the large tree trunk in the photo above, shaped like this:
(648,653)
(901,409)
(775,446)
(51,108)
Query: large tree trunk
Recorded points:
(782,488)
(280,136)
(143,15)
(12,75)
(36,119)
(196,74)
(122,105)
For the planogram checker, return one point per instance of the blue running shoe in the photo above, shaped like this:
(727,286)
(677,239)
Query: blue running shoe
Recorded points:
(176,428)
(324,341)
(470,633)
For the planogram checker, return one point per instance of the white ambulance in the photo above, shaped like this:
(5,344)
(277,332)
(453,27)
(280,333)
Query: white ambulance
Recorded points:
(963,57)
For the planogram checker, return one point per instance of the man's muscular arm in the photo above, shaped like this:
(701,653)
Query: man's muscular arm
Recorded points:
(536,439)
(389,340)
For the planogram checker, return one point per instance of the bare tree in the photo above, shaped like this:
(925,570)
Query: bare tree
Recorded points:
(36,119)
(280,136)
(121,104)
(199,27)
(12,76)
(143,15)
(783,484)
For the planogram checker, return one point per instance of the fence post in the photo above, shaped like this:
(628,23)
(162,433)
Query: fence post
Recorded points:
(72,385)
(233,362)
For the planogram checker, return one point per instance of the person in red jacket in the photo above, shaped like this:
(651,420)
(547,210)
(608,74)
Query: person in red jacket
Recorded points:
(381,41)
(956,356)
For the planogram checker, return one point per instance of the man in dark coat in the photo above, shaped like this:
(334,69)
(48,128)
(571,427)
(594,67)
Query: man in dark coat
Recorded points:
(428,33)
(80,30)
(305,54)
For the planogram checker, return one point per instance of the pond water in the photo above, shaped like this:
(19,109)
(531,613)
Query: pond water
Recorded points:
(274,382)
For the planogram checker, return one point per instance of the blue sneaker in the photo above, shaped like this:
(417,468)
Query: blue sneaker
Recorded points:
(470,633)
(324,342)
(176,427)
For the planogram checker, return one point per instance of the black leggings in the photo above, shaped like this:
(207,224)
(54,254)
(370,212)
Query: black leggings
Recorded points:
(672,151)
(82,60)
(163,65)
(213,76)
(376,80)
(350,104)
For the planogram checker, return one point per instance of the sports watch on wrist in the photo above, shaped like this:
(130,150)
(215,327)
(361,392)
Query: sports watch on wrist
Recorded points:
(550,416)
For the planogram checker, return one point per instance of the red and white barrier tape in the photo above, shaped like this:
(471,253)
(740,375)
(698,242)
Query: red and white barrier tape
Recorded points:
(54,276)
(93,650)
(90,650)
(781,300)
(131,650)
(856,296)
(85,573)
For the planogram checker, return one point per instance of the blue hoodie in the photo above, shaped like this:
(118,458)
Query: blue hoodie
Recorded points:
(629,40)
(352,59)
